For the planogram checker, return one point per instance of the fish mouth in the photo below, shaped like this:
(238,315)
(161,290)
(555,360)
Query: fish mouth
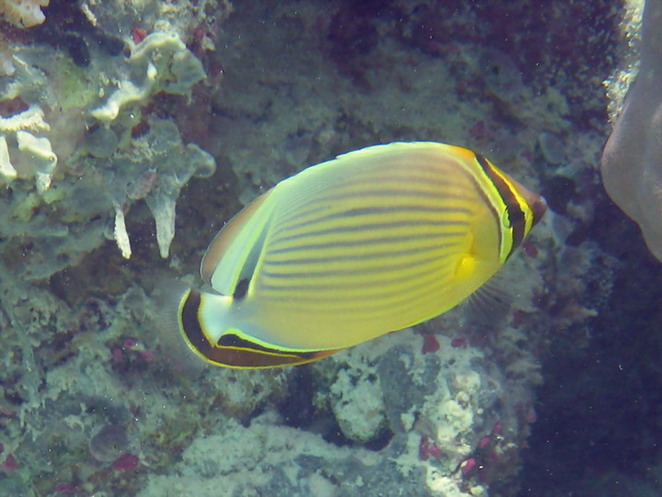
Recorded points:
(538,206)
(536,203)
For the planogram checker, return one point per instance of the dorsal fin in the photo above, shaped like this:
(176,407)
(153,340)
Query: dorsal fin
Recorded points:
(228,250)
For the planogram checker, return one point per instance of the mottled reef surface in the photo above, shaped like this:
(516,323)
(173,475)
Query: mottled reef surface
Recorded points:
(131,131)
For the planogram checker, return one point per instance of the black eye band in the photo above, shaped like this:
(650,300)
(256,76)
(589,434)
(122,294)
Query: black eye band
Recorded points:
(514,211)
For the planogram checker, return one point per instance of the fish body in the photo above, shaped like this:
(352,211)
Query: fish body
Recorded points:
(371,242)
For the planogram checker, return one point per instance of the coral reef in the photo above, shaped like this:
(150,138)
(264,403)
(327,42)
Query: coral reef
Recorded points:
(160,62)
(97,145)
(23,13)
(196,22)
(100,165)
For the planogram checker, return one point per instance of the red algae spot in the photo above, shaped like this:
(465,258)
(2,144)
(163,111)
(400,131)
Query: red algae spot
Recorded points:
(12,106)
(434,451)
(147,355)
(468,467)
(497,429)
(530,249)
(484,442)
(65,488)
(531,415)
(428,449)
(518,317)
(423,448)
(139,35)
(140,129)
(126,462)
(198,34)
(457,343)
(10,463)
(117,355)
(430,343)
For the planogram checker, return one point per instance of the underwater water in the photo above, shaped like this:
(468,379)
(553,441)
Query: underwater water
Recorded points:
(132,131)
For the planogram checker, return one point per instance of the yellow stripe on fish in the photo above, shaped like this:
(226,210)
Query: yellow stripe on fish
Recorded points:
(374,241)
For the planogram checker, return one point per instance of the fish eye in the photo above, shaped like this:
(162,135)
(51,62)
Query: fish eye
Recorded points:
(241,289)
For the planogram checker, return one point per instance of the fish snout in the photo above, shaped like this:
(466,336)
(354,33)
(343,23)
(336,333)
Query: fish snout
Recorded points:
(536,203)
(538,206)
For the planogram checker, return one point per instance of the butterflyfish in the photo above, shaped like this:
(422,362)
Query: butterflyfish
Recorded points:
(371,242)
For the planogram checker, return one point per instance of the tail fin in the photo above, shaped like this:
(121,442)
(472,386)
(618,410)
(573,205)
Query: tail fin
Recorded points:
(180,358)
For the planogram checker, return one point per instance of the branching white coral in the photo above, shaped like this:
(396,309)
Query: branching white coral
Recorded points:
(6,63)
(160,62)
(167,165)
(23,13)
(114,170)
(7,170)
(26,155)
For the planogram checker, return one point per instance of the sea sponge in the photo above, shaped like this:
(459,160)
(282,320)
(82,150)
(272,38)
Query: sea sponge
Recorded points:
(632,157)
(23,13)
(161,62)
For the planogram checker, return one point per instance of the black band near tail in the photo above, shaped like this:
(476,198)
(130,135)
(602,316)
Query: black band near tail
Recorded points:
(191,324)
(232,350)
